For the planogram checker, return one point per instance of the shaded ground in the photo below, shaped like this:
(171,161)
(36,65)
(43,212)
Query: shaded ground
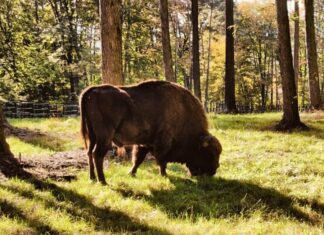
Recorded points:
(58,166)
(25,134)
(51,141)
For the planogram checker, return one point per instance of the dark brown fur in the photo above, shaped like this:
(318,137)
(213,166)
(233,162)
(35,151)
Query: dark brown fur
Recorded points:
(156,116)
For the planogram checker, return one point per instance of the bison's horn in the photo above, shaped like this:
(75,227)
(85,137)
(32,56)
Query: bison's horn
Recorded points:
(206,140)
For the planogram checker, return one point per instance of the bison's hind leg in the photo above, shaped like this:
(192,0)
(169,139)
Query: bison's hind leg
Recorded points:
(138,156)
(90,160)
(99,153)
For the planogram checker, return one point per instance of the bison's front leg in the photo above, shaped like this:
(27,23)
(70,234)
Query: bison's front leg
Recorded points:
(162,148)
(138,156)
(163,168)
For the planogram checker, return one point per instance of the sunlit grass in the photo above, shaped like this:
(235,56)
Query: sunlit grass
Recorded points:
(68,126)
(18,146)
(57,134)
(268,183)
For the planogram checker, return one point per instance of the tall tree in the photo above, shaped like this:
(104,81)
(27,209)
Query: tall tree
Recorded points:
(111,41)
(314,90)
(290,119)
(229,58)
(208,58)
(167,55)
(195,48)
(296,44)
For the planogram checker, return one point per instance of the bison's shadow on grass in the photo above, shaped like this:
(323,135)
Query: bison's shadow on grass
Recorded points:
(79,207)
(221,198)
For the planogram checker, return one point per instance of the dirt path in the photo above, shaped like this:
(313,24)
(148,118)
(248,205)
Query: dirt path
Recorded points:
(59,166)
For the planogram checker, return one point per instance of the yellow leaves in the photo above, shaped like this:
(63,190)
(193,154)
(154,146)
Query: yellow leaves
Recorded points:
(258,11)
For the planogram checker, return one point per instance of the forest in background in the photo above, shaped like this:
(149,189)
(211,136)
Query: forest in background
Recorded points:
(50,49)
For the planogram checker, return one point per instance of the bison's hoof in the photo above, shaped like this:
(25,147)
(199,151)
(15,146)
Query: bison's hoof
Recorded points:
(93,179)
(132,174)
(103,183)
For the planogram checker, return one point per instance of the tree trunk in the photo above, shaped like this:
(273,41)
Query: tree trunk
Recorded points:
(229,60)
(296,44)
(202,49)
(111,41)
(127,55)
(167,55)
(262,69)
(271,82)
(4,147)
(208,60)
(175,25)
(277,89)
(314,89)
(97,3)
(304,75)
(9,166)
(195,48)
(291,117)
(36,11)
(189,77)
(94,49)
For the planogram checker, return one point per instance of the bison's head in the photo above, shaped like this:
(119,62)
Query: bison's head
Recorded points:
(207,161)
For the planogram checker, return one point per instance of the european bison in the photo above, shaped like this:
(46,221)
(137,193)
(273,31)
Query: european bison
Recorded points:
(156,116)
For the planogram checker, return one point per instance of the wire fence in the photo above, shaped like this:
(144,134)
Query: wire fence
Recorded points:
(17,109)
(220,107)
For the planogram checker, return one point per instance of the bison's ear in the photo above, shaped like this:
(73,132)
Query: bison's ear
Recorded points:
(206,140)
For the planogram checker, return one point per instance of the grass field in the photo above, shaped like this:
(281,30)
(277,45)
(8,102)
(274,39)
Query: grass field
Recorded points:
(268,183)
(45,136)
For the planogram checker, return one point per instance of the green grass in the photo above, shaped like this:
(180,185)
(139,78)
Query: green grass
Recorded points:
(268,183)
(45,136)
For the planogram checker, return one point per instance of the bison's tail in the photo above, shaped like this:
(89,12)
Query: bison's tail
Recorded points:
(84,126)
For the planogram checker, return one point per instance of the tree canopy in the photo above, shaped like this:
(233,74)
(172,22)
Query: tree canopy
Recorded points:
(50,49)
